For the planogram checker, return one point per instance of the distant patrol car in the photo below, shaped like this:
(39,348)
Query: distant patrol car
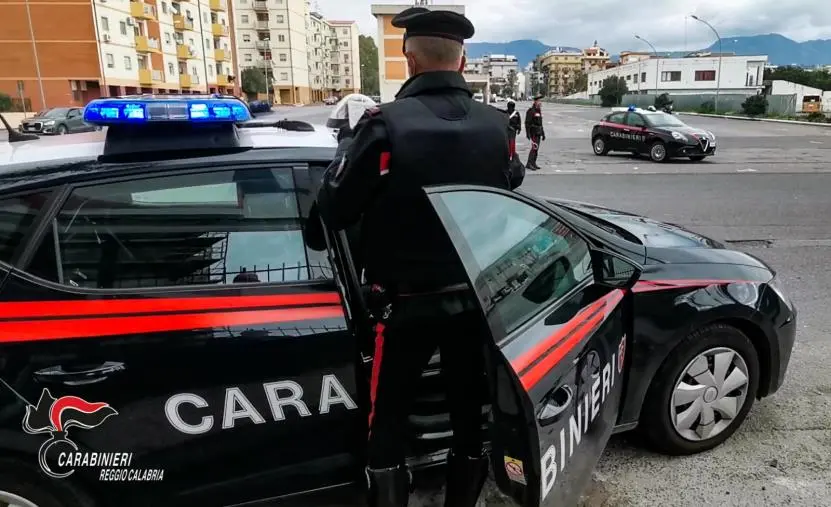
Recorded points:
(660,135)
(178,328)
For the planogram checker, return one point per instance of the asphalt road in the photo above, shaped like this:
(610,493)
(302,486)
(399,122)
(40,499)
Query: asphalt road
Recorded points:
(768,190)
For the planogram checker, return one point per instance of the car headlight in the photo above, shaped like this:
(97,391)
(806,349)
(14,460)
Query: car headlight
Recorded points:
(679,136)
(48,123)
(777,288)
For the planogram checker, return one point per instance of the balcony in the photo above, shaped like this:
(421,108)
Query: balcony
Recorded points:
(219,30)
(149,77)
(262,45)
(260,5)
(184,52)
(181,23)
(222,80)
(221,55)
(147,44)
(262,24)
(218,5)
(141,10)
(188,80)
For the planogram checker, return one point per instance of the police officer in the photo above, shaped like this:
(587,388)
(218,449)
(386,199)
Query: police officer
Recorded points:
(534,131)
(514,124)
(433,133)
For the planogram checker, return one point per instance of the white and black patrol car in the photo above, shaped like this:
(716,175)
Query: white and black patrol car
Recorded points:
(177,326)
(660,135)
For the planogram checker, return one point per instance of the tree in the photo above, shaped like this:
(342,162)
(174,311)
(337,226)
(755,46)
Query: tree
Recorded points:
(510,88)
(253,81)
(815,78)
(612,91)
(369,65)
(580,83)
(755,105)
(5,102)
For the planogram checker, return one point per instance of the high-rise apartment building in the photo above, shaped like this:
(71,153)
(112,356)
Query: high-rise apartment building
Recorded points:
(305,57)
(65,53)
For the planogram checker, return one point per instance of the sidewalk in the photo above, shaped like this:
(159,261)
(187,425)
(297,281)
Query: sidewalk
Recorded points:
(770,120)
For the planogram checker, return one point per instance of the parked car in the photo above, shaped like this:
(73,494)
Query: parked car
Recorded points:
(330,101)
(259,106)
(57,120)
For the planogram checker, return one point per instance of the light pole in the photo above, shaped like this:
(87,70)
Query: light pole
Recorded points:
(718,75)
(657,59)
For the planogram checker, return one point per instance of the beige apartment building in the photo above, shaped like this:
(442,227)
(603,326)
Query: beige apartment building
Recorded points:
(65,53)
(563,65)
(306,58)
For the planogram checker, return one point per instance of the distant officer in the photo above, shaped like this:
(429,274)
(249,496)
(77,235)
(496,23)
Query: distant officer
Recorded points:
(514,124)
(433,133)
(534,131)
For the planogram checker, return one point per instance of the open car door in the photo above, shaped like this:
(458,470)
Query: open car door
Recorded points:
(557,310)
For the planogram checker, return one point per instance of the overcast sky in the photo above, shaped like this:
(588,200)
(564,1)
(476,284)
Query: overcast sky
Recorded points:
(613,23)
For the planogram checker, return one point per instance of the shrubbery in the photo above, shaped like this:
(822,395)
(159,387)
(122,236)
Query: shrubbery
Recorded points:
(707,107)
(755,105)
(5,103)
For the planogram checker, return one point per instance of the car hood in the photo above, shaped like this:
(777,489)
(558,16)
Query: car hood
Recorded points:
(688,131)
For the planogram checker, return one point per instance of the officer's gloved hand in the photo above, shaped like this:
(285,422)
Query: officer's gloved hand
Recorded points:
(543,137)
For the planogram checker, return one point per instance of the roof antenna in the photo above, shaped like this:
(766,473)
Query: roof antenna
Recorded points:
(14,135)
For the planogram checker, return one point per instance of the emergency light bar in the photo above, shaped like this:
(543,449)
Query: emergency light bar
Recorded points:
(148,110)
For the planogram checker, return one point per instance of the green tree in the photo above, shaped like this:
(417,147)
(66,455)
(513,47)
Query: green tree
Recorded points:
(5,102)
(253,81)
(755,105)
(510,89)
(612,91)
(369,65)
(579,84)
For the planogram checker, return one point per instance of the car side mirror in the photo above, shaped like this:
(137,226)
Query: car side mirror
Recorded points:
(614,270)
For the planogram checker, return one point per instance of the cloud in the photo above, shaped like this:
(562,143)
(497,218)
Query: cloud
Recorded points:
(613,23)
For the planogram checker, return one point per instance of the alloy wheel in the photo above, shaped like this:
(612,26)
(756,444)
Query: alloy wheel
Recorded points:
(709,394)
(11,500)
(658,152)
(599,145)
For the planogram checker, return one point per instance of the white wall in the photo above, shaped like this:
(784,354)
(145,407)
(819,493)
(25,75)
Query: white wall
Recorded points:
(735,74)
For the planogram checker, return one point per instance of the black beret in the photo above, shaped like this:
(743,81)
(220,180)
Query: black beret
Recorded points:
(539,97)
(419,21)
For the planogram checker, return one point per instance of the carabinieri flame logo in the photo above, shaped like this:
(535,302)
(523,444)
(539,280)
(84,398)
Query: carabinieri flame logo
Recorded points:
(56,416)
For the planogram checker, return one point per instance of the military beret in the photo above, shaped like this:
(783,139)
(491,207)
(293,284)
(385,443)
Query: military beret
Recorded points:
(539,97)
(422,22)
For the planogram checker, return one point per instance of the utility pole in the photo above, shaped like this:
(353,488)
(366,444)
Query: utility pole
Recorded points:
(720,52)
(657,61)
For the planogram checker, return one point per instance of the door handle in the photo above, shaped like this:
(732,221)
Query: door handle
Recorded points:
(80,377)
(555,405)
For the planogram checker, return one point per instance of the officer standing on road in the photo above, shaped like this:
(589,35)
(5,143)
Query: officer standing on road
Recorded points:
(534,131)
(514,124)
(420,299)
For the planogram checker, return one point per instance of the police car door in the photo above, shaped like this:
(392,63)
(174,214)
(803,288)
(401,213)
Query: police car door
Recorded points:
(558,337)
(635,132)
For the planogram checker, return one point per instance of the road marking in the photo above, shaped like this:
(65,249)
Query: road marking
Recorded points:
(746,170)
(815,142)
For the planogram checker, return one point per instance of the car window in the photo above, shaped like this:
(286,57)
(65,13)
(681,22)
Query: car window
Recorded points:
(16,216)
(635,120)
(616,118)
(519,258)
(212,228)
(659,119)
(58,112)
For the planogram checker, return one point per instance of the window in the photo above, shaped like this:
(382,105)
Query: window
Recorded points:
(519,258)
(128,64)
(347,82)
(245,18)
(105,24)
(616,118)
(210,71)
(110,61)
(280,18)
(284,76)
(282,57)
(122,27)
(205,18)
(345,31)
(628,78)
(246,38)
(167,37)
(705,75)
(635,120)
(643,77)
(18,214)
(673,75)
(171,70)
(247,57)
(634,78)
(212,228)
(345,58)
(281,38)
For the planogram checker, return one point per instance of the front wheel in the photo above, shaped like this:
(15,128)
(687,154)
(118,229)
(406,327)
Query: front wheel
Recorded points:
(61,130)
(658,151)
(702,393)
(600,146)
(697,158)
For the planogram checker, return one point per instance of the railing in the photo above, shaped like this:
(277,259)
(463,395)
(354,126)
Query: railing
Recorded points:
(260,5)
(262,44)
(158,76)
(262,24)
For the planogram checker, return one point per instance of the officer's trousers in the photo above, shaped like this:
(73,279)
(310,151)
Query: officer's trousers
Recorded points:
(404,344)
(535,148)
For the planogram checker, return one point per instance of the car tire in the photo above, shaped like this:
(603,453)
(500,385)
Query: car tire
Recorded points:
(697,158)
(600,146)
(658,151)
(661,408)
(61,130)
(26,482)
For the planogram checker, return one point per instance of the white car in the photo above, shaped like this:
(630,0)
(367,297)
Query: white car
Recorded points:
(479,97)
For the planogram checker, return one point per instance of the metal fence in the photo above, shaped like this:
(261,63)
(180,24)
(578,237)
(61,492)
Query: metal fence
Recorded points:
(782,105)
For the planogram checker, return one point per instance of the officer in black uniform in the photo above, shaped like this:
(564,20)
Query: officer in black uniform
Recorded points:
(514,124)
(534,131)
(433,133)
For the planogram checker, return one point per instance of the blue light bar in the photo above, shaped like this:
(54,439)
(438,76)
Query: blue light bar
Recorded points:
(633,107)
(147,110)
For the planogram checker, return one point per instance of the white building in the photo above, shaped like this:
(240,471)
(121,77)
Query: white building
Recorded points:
(807,97)
(302,54)
(475,66)
(688,76)
(521,86)
(499,66)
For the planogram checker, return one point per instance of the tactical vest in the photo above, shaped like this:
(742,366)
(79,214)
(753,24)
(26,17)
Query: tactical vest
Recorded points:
(404,241)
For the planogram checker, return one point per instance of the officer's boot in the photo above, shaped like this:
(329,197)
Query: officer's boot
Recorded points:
(465,478)
(532,161)
(388,487)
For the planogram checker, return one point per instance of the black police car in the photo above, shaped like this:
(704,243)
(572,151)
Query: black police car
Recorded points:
(178,328)
(660,135)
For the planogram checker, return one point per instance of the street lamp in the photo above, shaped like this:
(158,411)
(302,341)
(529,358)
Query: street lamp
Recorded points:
(718,76)
(657,60)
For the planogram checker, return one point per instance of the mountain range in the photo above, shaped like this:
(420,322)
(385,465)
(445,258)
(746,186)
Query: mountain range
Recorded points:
(779,49)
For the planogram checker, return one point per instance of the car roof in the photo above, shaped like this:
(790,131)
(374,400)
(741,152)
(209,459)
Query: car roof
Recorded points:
(58,149)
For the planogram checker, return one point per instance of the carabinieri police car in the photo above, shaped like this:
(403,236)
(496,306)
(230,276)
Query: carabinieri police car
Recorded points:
(660,135)
(178,328)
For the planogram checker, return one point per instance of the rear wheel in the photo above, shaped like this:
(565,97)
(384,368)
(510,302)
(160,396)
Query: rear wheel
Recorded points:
(702,393)
(658,151)
(697,158)
(600,146)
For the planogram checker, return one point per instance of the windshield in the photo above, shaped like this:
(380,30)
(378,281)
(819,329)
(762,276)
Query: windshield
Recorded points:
(58,112)
(662,120)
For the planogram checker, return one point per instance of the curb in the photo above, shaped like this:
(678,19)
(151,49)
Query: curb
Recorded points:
(769,120)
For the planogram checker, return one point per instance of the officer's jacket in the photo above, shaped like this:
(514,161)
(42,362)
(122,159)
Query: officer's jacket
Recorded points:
(434,133)
(533,122)
(515,121)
